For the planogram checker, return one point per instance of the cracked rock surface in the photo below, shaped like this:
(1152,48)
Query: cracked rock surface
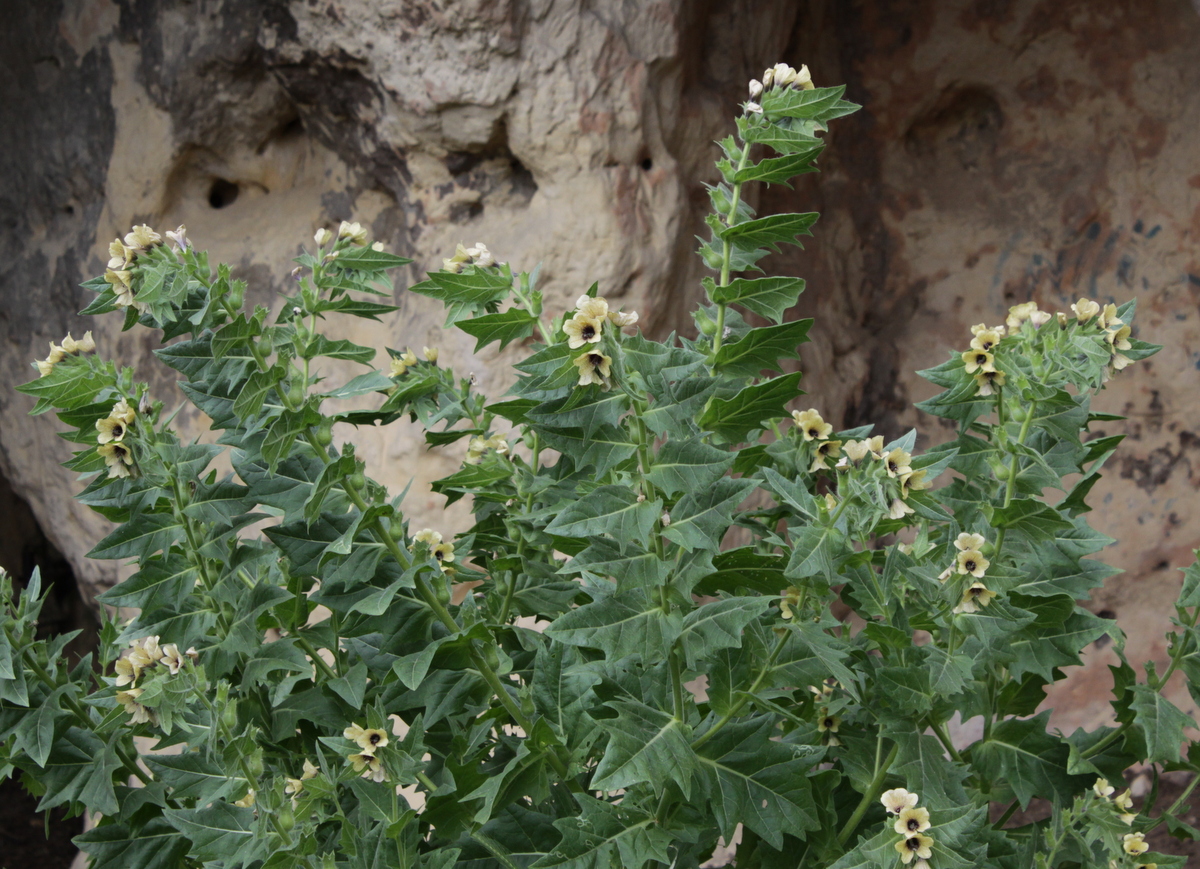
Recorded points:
(1009,150)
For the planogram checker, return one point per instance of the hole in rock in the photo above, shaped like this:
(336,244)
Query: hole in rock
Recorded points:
(647,164)
(222,193)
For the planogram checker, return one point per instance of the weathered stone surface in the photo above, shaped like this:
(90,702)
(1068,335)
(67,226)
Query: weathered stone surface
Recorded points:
(1009,149)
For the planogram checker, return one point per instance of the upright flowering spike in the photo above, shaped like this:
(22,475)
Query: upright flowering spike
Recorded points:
(811,425)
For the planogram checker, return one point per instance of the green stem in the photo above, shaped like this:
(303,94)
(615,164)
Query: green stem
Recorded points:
(311,651)
(743,698)
(1008,813)
(1011,484)
(727,246)
(1179,803)
(939,730)
(521,297)
(872,794)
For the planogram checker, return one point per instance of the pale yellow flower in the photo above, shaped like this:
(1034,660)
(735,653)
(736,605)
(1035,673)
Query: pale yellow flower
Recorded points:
(476,447)
(621,319)
(322,237)
(896,463)
(142,237)
(111,429)
(172,658)
(44,367)
(1108,317)
(978,360)
(988,380)
(898,799)
(582,330)
(179,238)
(400,364)
(593,368)
(1135,844)
(120,255)
(354,232)
(369,765)
(122,410)
(1039,318)
(911,820)
(430,354)
(966,541)
(591,307)
(826,722)
(971,561)
(247,801)
(974,598)
(1124,801)
(138,714)
(128,670)
(1101,788)
(789,599)
(875,445)
(368,739)
(1085,309)
(498,443)
(811,425)
(429,537)
(1119,362)
(69,344)
(899,509)
(117,458)
(377,246)
(825,450)
(119,278)
(1118,338)
(916,845)
(57,354)
(1063,319)
(855,450)
(985,338)
(914,481)
(480,255)
(1018,314)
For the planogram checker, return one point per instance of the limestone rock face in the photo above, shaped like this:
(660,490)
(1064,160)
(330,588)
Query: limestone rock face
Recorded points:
(1009,150)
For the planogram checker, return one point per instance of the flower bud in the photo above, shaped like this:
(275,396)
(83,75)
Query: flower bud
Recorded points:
(768,78)
(430,353)
(323,237)
(756,88)
(753,109)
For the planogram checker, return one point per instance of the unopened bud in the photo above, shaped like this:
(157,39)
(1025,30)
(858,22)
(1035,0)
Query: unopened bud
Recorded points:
(753,108)
(756,88)
(296,272)
(431,354)
(323,237)
(665,518)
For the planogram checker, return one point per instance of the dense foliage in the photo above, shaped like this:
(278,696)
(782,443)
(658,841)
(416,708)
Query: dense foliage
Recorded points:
(633,652)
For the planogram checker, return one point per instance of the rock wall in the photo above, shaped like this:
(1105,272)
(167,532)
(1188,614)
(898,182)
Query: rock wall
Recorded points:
(1009,149)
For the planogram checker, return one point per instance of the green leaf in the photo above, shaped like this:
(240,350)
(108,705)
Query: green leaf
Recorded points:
(588,408)
(644,745)
(80,769)
(505,327)
(153,845)
(348,350)
(221,831)
(368,259)
(1162,723)
(606,835)
(761,349)
(819,104)
(606,447)
(193,777)
(744,568)
(1189,595)
(700,519)
(35,733)
(767,297)
(769,232)
(733,419)
(612,510)
(778,170)
(1022,753)
(142,536)
(718,625)
(75,381)
(562,693)
(688,466)
(626,623)
(632,566)
(757,781)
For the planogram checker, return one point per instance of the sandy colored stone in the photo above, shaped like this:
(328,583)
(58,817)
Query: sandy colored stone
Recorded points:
(1009,150)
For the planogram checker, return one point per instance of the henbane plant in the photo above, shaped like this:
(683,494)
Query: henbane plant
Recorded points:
(626,659)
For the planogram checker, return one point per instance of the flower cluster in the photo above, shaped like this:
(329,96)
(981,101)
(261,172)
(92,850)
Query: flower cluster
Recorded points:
(478,255)
(59,352)
(442,553)
(123,254)
(401,363)
(970,561)
(911,823)
(118,457)
(1116,332)
(1122,802)
(980,361)
(141,656)
(369,741)
(586,326)
(778,76)
(896,464)
(480,445)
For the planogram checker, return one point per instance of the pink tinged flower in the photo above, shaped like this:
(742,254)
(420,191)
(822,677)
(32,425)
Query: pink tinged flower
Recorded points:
(179,239)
